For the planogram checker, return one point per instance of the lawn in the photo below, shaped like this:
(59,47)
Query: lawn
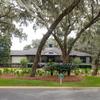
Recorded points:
(88,81)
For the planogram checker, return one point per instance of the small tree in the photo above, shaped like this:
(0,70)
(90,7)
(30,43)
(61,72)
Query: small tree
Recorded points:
(50,67)
(24,62)
(63,68)
(60,68)
(77,61)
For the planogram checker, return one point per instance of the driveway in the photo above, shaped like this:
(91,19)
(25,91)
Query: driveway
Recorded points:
(49,94)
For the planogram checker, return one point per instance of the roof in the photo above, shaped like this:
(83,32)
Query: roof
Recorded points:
(78,53)
(46,51)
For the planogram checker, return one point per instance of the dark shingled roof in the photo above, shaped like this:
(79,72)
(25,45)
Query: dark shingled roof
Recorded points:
(46,51)
(78,53)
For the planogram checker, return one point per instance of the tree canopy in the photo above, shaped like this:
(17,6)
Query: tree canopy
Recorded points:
(10,15)
(61,18)
(35,43)
(5,44)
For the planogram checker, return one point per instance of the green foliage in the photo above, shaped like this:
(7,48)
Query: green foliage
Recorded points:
(24,62)
(50,67)
(77,61)
(83,71)
(63,68)
(76,71)
(6,71)
(11,13)
(16,71)
(1,72)
(5,45)
(40,72)
(85,65)
(22,71)
(35,43)
(60,68)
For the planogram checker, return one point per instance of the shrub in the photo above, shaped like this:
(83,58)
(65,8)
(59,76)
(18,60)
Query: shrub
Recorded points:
(60,68)
(86,71)
(25,71)
(77,61)
(63,68)
(78,71)
(50,67)
(6,71)
(24,62)
(84,65)
(18,72)
(1,72)
(40,72)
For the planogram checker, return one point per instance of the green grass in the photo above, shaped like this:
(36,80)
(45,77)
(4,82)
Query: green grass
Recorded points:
(88,81)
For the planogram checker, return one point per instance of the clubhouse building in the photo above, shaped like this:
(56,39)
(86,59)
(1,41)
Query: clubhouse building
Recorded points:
(51,53)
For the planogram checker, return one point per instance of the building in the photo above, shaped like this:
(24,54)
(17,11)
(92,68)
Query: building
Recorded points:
(51,53)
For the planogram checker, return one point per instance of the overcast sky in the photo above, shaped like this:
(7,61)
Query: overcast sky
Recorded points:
(18,45)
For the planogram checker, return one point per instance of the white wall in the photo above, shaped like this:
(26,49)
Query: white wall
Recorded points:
(87,60)
(17,59)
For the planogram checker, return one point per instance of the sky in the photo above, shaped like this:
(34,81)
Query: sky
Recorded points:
(31,35)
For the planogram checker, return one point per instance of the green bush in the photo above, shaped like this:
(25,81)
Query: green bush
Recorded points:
(12,71)
(15,71)
(24,62)
(1,72)
(26,71)
(6,71)
(78,71)
(40,72)
(50,67)
(84,65)
(63,68)
(77,61)
(18,72)
(59,68)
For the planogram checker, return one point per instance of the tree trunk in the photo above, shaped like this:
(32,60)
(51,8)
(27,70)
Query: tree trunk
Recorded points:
(94,20)
(46,36)
(51,72)
(65,58)
(68,72)
(95,70)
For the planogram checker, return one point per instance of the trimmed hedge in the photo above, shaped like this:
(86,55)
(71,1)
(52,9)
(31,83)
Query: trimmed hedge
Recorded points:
(85,66)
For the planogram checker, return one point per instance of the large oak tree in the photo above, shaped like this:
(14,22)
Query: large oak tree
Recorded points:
(9,15)
(78,17)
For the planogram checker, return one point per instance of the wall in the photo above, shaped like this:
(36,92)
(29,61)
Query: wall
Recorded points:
(17,59)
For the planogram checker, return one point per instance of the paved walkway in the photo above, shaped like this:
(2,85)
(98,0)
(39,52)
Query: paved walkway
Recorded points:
(49,94)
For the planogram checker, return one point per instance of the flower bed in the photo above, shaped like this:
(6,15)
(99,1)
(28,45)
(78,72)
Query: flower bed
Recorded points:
(46,78)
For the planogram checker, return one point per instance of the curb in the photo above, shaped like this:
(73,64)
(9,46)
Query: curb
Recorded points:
(40,87)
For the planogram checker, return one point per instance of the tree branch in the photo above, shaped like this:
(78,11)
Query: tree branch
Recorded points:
(6,14)
(52,27)
(94,20)
(58,41)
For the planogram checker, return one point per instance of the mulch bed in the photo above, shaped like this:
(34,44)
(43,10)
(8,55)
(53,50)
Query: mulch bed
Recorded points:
(46,78)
